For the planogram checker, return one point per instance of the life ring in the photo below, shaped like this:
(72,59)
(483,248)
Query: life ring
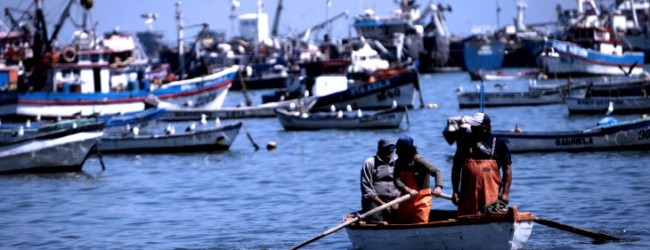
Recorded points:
(69,54)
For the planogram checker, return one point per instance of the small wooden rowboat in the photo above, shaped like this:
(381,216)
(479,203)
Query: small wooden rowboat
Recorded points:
(621,136)
(196,140)
(294,120)
(447,231)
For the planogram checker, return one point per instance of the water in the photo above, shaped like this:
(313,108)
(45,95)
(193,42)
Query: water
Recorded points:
(243,199)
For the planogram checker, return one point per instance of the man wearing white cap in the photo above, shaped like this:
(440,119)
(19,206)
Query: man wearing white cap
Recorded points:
(475,176)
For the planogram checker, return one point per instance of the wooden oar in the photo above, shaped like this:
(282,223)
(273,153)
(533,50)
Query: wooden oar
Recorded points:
(554,224)
(344,224)
(250,138)
(579,231)
(419,88)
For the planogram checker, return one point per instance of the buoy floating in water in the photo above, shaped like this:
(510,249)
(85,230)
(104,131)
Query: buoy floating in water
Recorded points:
(433,105)
(271,145)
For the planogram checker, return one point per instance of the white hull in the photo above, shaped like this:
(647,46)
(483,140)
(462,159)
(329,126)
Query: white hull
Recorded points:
(557,65)
(72,110)
(212,99)
(626,104)
(467,100)
(263,110)
(351,120)
(199,140)
(634,135)
(453,233)
(67,152)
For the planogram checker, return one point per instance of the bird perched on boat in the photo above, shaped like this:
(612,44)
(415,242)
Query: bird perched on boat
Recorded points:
(217,122)
(191,127)
(169,130)
(135,131)
(332,108)
(359,114)
(38,117)
(348,108)
(339,114)
(74,125)
(204,121)
(20,132)
(394,105)
(500,86)
(610,108)
(306,93)
(292,106)
(28,123)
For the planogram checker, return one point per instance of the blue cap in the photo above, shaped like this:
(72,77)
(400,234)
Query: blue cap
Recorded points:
(405,141)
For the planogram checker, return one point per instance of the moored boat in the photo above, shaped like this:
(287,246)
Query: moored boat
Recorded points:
(50,149)
(629,135)
(447,231)
(197,139)
(295,120)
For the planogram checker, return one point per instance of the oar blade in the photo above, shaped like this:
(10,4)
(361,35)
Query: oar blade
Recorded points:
(580,231)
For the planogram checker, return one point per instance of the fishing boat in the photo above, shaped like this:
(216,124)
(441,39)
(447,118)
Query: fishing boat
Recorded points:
(54,148)
(483,52)
(195,138)
(447,231)
(610,135)
(387,86)
(628,97)
(409,33)
(296,120)
(489,75)
(543,95)
(591,46)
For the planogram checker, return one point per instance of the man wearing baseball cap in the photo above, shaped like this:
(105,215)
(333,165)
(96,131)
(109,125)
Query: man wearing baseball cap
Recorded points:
(412,173)
(377,184)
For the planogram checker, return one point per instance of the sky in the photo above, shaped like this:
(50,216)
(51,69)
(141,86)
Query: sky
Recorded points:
(297,15)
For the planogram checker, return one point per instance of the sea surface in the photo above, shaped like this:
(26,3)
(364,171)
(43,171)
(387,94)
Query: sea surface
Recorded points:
(247,199)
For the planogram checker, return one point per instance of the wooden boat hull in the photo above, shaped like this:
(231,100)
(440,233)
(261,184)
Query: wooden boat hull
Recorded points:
(622,136)
(378,95)
(208,92)
(350,120)
(472,100)
(599,105)
(200,140)
(60,154)
(259,111)
(497,231)
(569,58)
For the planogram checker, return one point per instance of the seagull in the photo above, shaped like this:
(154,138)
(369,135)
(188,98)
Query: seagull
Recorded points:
(306,93)
(38,117)
(394,104)
(217,122)
(348,108)
(28,123)
(203,119)
(170,129)
(74,125)
(359,114)
(135,131)
(610,108)
(332,109)
(191,127)
(292,106)
(20,132)
(339,114)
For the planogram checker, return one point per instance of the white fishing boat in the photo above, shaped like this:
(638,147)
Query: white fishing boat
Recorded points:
(631,97)
(611,135)
(295,120)
(60,150)
(196,138)
(446,231)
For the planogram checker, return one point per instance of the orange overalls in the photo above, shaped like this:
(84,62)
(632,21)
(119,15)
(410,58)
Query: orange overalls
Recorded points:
(480,183)
(416,209)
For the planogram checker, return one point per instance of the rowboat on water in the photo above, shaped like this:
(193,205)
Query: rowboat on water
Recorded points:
(629,135)
(56,148)
(295,120)
(489,75)
(445,230)
(196,138)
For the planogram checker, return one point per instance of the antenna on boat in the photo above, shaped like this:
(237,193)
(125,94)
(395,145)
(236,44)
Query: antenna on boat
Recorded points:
(481,97)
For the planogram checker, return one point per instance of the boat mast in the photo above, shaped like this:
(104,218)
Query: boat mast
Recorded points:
(179,21)
(276,20)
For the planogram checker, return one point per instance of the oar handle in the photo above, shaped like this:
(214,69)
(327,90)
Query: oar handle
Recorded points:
(444,196)
(344,224)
